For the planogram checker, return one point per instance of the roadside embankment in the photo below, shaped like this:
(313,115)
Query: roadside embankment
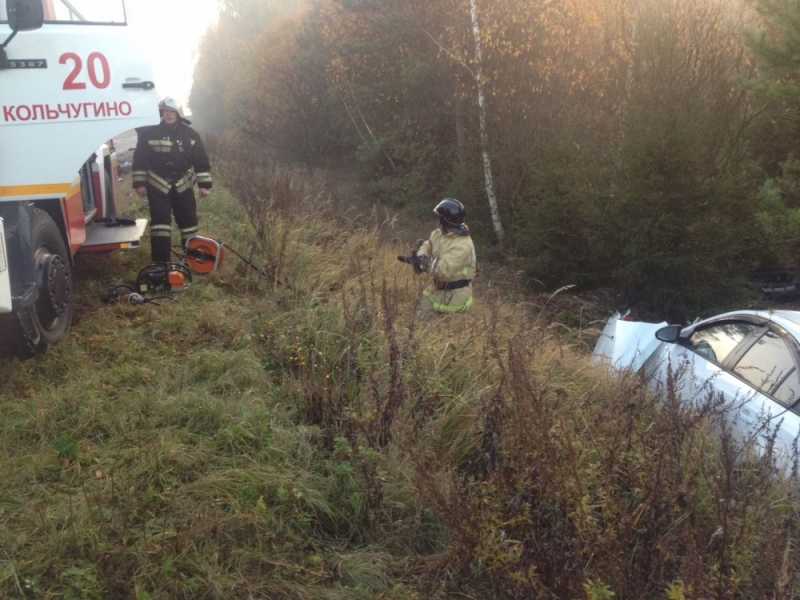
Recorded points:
(301,435)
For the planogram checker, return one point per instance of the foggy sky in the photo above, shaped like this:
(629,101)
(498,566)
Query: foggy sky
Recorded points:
(172,30)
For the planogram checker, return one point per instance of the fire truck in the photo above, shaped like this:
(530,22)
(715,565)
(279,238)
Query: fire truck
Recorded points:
(70,80)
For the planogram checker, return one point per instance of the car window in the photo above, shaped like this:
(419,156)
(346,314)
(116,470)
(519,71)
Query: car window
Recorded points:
(770,366)
(715,343)
(788,392)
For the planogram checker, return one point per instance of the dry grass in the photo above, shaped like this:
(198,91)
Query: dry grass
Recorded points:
(299,434)
(554,480)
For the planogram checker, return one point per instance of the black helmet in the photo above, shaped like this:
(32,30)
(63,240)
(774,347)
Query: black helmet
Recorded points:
(451,213)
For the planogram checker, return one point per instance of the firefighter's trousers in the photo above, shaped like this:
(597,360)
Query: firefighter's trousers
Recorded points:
(162,207)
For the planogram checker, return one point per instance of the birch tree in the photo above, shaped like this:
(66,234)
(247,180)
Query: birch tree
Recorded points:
(484,132)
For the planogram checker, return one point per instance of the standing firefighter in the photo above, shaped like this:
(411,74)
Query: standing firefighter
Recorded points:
(169,159)
(449,256)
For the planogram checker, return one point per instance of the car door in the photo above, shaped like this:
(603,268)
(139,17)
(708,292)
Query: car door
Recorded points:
(72,85)
(752,365)
(770,364)
(694,366)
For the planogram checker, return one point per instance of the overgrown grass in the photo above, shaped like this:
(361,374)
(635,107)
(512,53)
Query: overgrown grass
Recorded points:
(300,434)
(163,452)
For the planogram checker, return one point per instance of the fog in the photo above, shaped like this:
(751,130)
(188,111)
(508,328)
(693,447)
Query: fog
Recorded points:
(171,31)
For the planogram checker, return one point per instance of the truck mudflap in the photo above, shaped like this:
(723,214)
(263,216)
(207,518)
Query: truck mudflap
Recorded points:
(626,344)
(5,277)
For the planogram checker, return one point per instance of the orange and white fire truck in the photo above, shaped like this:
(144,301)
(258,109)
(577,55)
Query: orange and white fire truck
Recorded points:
(69,81)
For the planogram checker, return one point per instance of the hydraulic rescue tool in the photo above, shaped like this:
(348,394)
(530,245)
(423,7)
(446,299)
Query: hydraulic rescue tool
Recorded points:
(420,263)
(160,281)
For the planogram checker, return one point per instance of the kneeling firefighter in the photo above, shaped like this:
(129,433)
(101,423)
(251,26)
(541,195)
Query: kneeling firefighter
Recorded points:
(449,256)
(169,160)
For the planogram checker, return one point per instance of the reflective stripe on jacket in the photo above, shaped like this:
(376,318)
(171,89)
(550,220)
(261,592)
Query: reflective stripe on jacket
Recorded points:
(171,156)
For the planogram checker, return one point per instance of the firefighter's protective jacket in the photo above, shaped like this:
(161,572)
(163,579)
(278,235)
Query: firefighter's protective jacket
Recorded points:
(169,157)
(453,264)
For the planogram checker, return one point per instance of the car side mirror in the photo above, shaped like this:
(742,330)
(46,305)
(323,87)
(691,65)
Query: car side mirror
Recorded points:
(669,334)
(25,15)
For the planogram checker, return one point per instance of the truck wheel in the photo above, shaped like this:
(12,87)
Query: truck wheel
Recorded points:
(44,323)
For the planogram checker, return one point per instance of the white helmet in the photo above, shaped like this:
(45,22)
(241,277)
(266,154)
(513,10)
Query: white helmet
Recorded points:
(170,104)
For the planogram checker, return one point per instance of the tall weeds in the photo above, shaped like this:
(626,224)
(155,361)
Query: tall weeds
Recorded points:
(301,434)
(553,479)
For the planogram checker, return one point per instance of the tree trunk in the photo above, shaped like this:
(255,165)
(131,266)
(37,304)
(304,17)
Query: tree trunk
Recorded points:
(461,133)
(487,161)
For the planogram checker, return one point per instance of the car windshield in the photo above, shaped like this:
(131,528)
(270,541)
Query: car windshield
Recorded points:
(715,343)
(770,367)
(102,12)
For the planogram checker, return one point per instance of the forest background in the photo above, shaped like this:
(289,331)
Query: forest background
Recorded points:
(647,146)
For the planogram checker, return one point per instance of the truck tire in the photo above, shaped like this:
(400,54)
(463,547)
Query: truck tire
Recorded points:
(33,329)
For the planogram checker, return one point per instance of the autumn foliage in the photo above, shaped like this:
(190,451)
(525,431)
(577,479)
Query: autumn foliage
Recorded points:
(630,142)
(647,146)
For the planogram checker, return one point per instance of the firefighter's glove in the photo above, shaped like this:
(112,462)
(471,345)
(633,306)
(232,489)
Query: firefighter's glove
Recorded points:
(422,264)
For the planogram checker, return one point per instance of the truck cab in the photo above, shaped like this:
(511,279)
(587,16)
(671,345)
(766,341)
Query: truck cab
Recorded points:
(70,81)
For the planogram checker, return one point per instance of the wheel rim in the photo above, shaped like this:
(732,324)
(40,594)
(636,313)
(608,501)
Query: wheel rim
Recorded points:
(55,291)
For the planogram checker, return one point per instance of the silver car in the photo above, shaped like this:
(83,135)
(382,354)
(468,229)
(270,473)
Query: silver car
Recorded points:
(750,359)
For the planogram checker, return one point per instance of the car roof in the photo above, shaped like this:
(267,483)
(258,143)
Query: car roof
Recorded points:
(788,319)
